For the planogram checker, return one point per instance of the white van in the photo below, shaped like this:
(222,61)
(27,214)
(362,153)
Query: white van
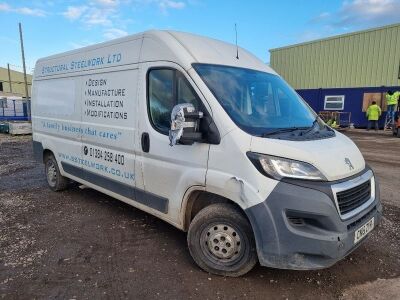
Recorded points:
(210,139)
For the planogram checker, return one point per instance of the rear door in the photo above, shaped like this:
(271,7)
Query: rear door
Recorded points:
(167,172)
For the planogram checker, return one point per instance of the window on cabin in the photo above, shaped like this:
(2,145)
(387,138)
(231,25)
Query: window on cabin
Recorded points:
(334,102)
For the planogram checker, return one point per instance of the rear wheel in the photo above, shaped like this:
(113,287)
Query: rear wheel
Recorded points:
(221,241)
(55,180)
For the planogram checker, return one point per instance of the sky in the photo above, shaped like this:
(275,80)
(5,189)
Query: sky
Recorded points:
(55,26)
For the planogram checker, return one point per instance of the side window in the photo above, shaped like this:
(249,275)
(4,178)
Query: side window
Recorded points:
(334,102)
(167,88)
(161,98)
(185,92)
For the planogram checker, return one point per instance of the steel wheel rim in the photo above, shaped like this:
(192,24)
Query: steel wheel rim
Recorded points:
(222,243)
(51,173)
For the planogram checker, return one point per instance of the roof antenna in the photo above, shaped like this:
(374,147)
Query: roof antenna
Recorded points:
(237,48)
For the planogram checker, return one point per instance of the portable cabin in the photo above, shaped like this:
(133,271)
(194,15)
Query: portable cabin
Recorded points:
(344,73)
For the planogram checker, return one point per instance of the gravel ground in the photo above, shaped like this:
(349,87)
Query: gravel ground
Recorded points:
(85,245)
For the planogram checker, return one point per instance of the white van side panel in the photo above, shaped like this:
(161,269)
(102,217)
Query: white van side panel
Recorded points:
(56,107)
(109,124)
(57,97)
(94,58)
(89,122)
(85,112)
(167,171)
(231,174)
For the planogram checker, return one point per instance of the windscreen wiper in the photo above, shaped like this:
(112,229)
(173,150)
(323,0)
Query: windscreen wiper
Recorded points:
(311,128)
(290,129)
(281,130)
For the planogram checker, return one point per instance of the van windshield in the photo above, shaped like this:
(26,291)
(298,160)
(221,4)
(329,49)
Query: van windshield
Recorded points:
(258,102)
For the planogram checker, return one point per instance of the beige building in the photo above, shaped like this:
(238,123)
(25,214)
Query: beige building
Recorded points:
(368,58)
(344,73)
(17,87)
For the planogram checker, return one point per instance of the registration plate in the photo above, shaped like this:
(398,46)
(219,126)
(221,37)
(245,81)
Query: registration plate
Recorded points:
(363,231)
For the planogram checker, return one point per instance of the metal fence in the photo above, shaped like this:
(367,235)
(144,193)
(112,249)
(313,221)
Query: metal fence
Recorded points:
(14,109)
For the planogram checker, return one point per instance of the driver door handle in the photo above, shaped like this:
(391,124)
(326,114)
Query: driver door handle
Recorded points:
(145,142)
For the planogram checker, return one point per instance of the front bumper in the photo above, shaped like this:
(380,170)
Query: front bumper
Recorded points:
(299,227)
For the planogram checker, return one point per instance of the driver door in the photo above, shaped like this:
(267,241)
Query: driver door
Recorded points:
(167,172)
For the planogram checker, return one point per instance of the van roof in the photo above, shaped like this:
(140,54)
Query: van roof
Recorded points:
(187,48)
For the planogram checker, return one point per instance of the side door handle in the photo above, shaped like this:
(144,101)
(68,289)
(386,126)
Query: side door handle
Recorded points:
(145,142)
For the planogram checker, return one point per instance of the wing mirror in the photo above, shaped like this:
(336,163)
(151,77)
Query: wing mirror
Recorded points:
(185,123)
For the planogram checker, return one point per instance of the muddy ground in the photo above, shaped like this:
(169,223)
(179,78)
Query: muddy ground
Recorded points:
(85,245)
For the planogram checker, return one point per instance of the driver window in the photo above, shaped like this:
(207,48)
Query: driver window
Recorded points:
(185,92)
(167,88)
(161,98)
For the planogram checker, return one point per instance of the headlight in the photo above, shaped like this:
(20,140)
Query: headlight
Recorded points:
(278,167)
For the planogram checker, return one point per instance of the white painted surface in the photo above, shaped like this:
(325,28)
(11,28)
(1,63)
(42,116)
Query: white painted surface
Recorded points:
(57,97)
(76,121)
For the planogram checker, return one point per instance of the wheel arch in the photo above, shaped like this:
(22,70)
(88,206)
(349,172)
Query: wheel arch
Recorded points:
(46,153)
(41,151)
(199,199)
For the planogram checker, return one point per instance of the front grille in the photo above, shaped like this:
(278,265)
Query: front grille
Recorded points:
(352,198)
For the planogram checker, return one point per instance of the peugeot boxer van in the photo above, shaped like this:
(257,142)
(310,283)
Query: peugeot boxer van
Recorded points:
(208,138)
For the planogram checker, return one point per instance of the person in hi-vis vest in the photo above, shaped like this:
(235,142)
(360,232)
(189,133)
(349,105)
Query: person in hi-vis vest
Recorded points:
(392,99)
(373,113)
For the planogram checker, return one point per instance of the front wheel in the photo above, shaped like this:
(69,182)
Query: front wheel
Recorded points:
(221,241)
(55,180)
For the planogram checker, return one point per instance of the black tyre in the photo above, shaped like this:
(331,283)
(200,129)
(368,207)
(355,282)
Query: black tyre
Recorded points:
(221,241)
(55,180)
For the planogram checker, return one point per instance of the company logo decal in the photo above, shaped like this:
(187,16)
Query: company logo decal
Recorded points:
(348,162)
